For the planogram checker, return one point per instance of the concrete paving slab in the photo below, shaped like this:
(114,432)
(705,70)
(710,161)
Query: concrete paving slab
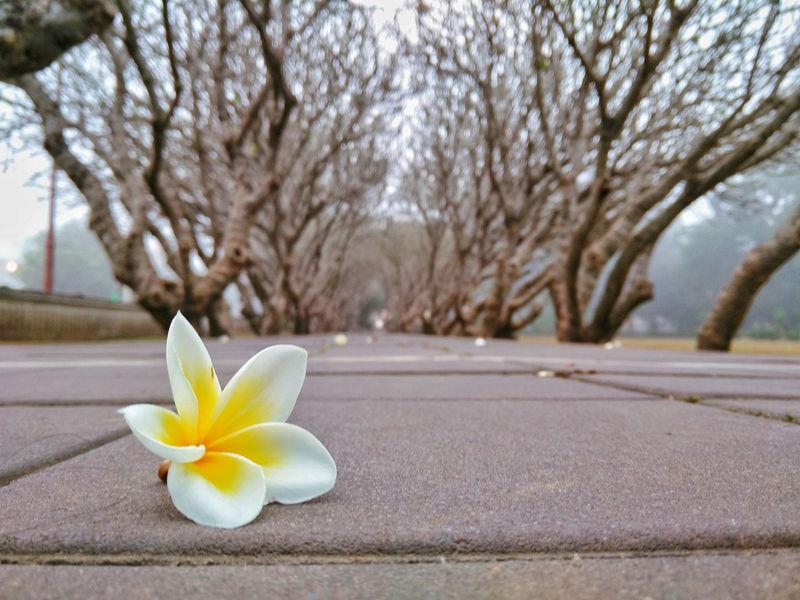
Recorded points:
(121,373)
(706,386)
(686,367)
(595,350)
(33,437)
(85,374)
(124,385)
(414,363)
(233,355)
(623,360)
(733,576)
(779,409)
(111,384)
(442,477)
(238,347)
(455,387)
(581,356)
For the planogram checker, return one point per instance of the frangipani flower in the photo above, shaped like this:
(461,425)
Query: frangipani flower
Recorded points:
(231,450)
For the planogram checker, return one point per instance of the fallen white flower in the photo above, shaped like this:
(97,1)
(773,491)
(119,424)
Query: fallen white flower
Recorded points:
(231,450)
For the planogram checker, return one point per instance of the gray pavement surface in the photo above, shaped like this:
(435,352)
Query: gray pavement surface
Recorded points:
(509,470)
(120,384)
(31,438)
(433,477)
(731,576)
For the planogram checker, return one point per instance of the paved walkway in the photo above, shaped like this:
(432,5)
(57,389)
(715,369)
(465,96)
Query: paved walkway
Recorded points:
(503,471)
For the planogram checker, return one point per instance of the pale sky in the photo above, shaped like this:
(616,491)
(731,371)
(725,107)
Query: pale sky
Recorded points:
(23,203)
(20,213)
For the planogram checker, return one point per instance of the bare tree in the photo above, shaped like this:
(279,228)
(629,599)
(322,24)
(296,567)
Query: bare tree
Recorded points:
(34,34)
(631,111)
(471,178)
(171,128)
(734,300)
(547,147)
(677,99)
(337,152)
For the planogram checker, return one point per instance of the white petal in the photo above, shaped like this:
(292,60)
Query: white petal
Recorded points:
(161,431)
(264,390)
(297,467)
(221,490)
(195,387)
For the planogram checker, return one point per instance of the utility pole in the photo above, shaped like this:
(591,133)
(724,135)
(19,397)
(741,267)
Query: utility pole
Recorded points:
(50,242)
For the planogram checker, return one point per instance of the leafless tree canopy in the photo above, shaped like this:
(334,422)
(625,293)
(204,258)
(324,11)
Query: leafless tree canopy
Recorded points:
(561,139)
(178,126)
(499,155)
(336,160)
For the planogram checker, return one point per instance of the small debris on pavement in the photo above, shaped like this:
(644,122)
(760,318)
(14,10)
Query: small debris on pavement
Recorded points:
(163,470)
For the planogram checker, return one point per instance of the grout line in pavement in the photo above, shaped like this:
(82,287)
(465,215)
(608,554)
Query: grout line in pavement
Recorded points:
(525,368)
(568,373)
(78,403)
(12,476)
(786,418)
(702,400)
(662,393)
(626,387)
(117,403)
(718,396)
(608,365)
(401,558)
(686,374)
(451,373)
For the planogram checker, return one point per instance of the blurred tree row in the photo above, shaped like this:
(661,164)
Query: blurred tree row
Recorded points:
(557,143)
(219,143)
(460,173)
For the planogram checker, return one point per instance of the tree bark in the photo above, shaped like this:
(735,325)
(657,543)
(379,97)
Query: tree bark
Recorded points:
(34,34)
(219,322)
(734,300)
(302,324)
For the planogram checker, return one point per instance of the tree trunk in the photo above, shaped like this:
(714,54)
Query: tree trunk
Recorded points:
(566,331)
(504,331)
(34,34)
(162,314)
(731,305)
(302,324)
(219,321)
